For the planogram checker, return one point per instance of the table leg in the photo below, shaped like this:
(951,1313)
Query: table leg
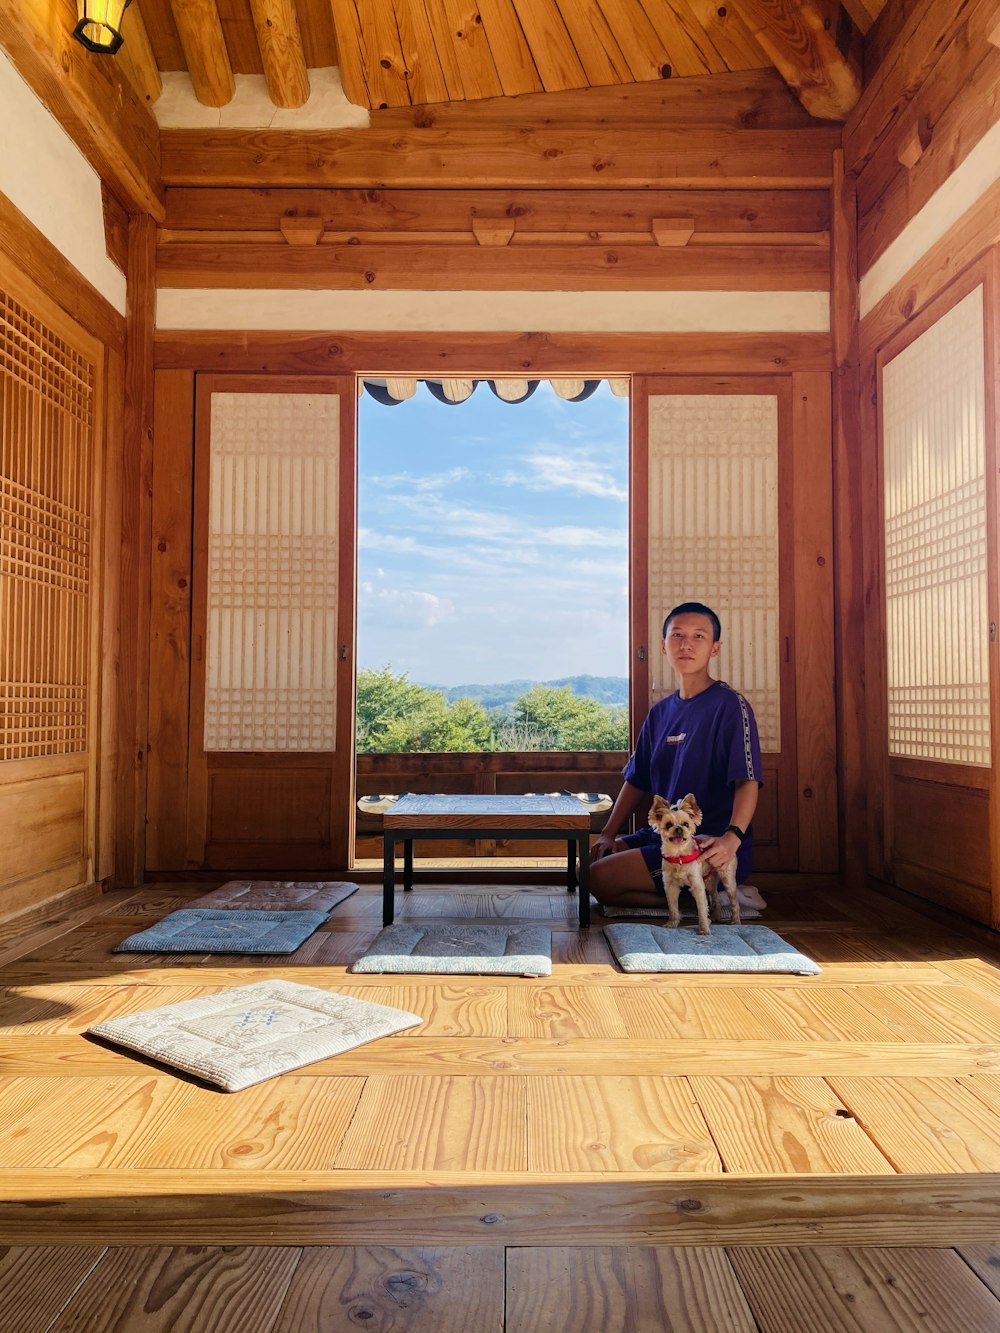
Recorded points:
(584,879)
(388,878)
(570,864)
(407,864)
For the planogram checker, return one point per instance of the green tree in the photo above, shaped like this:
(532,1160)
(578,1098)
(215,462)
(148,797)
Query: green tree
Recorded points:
(572,721)
(394,716)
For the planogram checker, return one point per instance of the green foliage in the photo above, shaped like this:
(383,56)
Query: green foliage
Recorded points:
(395,716)
(573,721)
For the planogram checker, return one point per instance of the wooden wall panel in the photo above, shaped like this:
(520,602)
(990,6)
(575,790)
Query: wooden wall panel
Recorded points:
(50,815)
(170,620)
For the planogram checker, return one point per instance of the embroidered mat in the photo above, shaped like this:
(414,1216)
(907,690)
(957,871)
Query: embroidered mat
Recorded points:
(496,950)
(281,895)
(648,948)
(243,1036)
(202,930)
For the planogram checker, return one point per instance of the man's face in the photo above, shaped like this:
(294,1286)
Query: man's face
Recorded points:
(689,645)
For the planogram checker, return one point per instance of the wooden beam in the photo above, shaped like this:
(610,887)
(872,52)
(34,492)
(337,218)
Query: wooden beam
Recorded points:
(200,30)
(136,55)
(522,355)
(136,463)
(742,213)
(801,39)
(277,26)
(603,160)
(89,96)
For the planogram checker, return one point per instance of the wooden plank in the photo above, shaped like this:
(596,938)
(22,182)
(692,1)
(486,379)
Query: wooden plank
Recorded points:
(455,1010)
(37,1283)
(826,1015)
(595,43)
(562,1013)
(372,158)
(643,47)
(293,1123)
(745,98)
(66,1057)
(815,684)
(552,50)
(844,1291)
(784,1124)
(688,49)
(740,214)
(406,265)
(277,27)
(925,1124)
(182,1290)
(434,1289)
(622,1290)
(170,620)
(136,488)
(692,1012)
(78,90)
(984,1260)
(610,1123)
(406,1123)
(532,1208)
(426,80)
(472,50)
(83,1124)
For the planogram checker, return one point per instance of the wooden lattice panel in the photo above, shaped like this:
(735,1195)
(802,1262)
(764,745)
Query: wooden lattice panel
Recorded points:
(271,650)
(935,542)
(46,516)
(713,535)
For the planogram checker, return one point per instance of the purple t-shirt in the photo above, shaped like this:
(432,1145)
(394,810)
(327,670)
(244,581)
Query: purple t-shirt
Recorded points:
(704,745)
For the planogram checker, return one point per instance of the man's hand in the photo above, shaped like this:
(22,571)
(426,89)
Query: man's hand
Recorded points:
(718,852)
(604,845)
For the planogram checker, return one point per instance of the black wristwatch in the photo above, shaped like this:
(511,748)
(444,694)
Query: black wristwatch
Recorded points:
(735,828)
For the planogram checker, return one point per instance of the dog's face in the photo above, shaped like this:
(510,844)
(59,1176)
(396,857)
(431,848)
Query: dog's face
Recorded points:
(677,823)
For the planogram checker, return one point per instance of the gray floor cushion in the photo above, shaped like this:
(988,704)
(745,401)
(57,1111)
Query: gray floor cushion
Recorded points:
(243,1036)
(688,913)
(648,948)
(499,950)
(276,895)
(201,930)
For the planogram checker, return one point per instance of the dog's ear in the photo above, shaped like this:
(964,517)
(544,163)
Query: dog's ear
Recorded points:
(658,808)
(692,807)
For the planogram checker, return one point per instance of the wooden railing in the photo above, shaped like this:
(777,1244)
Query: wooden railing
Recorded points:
(492,774)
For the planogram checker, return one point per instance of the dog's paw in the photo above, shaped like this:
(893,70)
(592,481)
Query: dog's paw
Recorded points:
(704,930)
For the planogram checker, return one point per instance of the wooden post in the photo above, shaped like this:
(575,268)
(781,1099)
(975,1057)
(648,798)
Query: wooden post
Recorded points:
(136,486)
(849,623)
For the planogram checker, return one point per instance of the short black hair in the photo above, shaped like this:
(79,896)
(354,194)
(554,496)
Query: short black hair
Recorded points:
(695,609)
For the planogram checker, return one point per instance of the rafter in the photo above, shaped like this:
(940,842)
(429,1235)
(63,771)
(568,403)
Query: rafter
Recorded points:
(800,37)
(280,42)
(200,30)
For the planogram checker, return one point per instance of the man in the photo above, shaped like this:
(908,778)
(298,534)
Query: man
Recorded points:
(701,739)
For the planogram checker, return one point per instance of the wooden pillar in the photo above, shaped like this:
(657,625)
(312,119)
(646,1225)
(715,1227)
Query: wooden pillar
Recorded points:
(136,489)
(849,592)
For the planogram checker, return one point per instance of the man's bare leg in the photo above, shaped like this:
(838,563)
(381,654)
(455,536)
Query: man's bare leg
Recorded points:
(623,880)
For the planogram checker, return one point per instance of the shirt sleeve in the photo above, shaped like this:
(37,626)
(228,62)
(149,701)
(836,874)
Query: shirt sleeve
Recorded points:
(743,744)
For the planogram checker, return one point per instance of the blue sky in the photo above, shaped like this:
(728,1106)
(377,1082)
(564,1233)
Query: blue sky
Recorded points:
(493,537)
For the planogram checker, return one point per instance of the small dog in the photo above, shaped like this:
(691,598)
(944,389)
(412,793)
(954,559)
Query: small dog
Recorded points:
(684,864)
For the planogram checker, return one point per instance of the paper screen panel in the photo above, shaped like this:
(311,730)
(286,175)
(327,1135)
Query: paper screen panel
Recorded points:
(937,620)
(713,536)
(271,640)
(46,516)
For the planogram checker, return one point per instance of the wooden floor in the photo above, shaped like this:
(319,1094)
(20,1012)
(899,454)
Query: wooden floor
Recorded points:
(588,1151)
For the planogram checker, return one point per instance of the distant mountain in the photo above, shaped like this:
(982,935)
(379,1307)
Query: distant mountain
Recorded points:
(605,689)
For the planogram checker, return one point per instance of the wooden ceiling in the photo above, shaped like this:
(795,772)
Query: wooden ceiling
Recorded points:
(397,53)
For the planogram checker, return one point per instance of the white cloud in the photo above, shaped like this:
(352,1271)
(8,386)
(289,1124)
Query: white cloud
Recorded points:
(562,470)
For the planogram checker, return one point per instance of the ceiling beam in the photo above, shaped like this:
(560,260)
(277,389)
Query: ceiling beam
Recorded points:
(800,37)
(200,30)
(89,96)
(136,55)
(494,158)
(280,42)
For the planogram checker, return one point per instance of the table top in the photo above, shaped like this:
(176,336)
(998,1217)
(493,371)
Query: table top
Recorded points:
(438,810)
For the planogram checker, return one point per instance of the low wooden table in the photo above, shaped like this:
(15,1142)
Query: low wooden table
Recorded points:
(533,817)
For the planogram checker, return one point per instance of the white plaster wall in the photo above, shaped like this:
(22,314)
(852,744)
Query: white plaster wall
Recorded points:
(46,176)
(327,108)
(494,312)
